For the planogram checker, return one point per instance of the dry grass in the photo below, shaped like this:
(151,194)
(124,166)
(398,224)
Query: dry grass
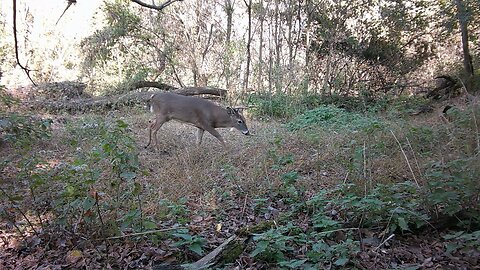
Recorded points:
(253,165)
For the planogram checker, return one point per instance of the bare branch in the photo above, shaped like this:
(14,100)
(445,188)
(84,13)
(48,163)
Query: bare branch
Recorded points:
(27,70)
(70,2)
(160,7)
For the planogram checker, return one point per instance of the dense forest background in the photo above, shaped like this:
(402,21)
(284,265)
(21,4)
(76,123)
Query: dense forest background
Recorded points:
(328,47)
(364,154)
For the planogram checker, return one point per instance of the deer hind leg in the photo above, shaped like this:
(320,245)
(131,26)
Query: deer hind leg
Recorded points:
(200,132)
(155,126)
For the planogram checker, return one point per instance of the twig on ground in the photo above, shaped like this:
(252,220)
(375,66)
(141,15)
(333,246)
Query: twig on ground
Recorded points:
(414,156)
(142,233)
(339,230)
(244,206)
(385,241)
(406,158)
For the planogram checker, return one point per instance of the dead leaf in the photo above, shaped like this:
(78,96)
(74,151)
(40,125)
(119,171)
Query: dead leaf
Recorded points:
(73,256)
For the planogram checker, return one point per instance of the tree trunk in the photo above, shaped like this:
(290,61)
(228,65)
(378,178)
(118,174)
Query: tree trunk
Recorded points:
(290,43)
(229,11)
(467,58)
(118,101)
(278,48)
(270,59)
(306,84)
(249,41)
(260,49)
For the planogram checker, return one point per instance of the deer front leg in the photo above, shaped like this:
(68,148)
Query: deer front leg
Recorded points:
(149,134)
(155,127)
(200,135)
(217,135)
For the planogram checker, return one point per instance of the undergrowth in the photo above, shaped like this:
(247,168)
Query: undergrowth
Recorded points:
(442,190)
(400,177)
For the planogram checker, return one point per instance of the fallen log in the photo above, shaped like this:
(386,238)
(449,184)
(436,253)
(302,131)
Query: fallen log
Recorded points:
(117,101)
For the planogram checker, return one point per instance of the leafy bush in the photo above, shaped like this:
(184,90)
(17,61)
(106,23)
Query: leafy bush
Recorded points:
(272,245)
(330,117)
(19,129)
(277,105)
(406,105)
(193,243)
(174,210)
(395,206)
(24,130)
(99,186)
(6,99)
(465,241)
(454,189)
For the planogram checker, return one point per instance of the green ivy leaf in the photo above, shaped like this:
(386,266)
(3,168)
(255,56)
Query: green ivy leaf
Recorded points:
(88,203)
(149,225)
(341,261)
(403,224)
(121,124)
(197,248)
(261,247)
(293,263)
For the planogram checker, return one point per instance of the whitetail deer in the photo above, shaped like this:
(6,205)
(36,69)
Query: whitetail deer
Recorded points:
(203,114)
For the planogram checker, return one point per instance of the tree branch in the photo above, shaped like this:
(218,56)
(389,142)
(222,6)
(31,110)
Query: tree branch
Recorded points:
(160,7)
(69,3)
(27,70)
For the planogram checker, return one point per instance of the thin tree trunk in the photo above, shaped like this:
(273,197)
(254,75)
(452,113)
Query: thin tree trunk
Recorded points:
(260,49)
(290,43)
(278,45)
(467,58)
(229,10)
(307,47)
(249,41)
(270,59)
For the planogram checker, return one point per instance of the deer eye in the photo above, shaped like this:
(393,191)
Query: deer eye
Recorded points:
(240,121)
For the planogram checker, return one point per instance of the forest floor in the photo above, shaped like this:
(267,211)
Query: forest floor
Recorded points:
(214,192)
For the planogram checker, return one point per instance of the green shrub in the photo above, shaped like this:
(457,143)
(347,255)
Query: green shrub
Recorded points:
(454,189)
(100,184)
(193,243)
(330,117)
(277,105)
(23,130)
(6,99)
(464,241)
(272,245)
(395,207)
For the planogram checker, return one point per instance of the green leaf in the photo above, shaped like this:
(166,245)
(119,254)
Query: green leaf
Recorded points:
(128,175)
(452,236)
(184,236)
(107,148)
(293,263)
(137,188)
(121,124)
(88,203)
(402,223)
(451,247)
(149,225)
(341,261)
(37,181)
(261,247)
(197,248)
